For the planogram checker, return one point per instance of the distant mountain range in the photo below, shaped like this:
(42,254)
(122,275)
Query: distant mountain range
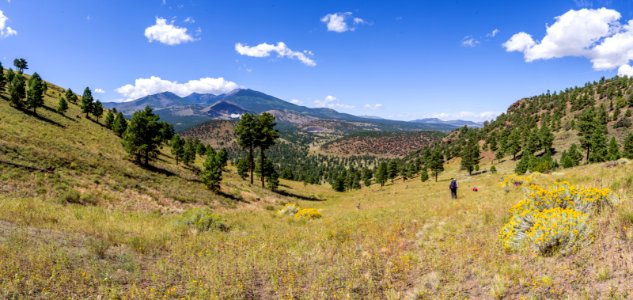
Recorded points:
(456,123)
(185,112)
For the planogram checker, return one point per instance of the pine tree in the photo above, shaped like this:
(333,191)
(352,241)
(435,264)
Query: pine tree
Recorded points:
(392,169)
(3,80)
(87,102)
(265,136)
(246,137)
(628,146)
(189,152)
(35,92)
(20,64)
(436,163)
(109,119)
(62,105)
(366,176)
(97,110)
(177,147)
(223,156)
(17,91)
(242,168)
(424,175)
(513,144)
(470,155)
(120,124)
(382,173)
(142,137)
(614,150)
(70,96)
(212,172)
(599,146)
(586,127)
(546,139)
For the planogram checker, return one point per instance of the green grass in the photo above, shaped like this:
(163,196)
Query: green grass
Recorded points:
(123,237)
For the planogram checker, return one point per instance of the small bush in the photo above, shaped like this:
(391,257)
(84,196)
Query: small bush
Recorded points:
(203,219)
(71,196)
(289,209)
(307,213)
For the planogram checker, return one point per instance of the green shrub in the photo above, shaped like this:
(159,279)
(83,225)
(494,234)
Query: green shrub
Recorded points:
(203,219)
(71,196)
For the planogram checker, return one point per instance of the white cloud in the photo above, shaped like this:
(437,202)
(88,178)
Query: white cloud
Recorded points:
(595,34)
(167,33)
(265,50)
(5,31)
(190,20)
(153,85)
(464,115)
(375,106)
(296,101)
(99,91)
(331,102)
(340,22)
(469,42)
(493,33)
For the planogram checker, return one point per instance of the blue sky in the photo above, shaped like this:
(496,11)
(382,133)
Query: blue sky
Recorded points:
(394,59)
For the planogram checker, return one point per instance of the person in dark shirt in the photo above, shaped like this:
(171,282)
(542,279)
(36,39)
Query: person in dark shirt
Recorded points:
(453,188)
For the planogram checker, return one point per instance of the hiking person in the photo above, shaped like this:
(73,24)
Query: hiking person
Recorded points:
(453,188)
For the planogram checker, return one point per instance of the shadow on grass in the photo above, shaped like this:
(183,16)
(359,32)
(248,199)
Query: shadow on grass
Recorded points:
(232,197)
(41,118)
(29,168)
(59,113)
(158,170)
(302,197)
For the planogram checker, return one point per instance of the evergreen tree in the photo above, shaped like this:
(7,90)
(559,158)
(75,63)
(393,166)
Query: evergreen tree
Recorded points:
(546,138)
(273,180)
(513,144)
(97,110)
(70,96)
(109,119)
(35,92)
(17,90)
(436,163)
(381,173)
(470,155)
(614,150)
(142,137)
(62,105)
(599,146)
(177,147)
(246,137)
(392,170)
(120,124)
(585,123)
(223,156)
(493,169)
(242,168)
(212,172)
(87,102)
(524,164)
(566,160)
(201,149)
(366,176)
(628,146)
(20,64)
(424,175)
(265,136)
(3,80)
(189,152)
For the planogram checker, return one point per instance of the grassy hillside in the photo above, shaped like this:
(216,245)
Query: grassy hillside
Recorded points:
(78,220)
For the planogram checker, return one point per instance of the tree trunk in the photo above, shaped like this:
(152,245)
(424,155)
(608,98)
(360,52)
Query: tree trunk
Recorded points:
(261,166)
(251,162)
(587,154)
(436,177)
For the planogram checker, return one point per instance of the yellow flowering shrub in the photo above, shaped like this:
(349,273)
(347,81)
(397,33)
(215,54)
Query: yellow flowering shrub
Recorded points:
(307,213)
(554,220)
(519,180)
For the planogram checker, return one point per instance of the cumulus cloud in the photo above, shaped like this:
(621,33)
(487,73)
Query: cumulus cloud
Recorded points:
(296,101)
(375,106)
(596,34)
(153,85)
(331,102)
(167,33)
(469,42)
(464,115)
(265,50)
(5,31)
(99,91)
(342,22)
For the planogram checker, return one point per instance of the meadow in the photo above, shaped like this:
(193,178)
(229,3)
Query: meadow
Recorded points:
(78,220)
